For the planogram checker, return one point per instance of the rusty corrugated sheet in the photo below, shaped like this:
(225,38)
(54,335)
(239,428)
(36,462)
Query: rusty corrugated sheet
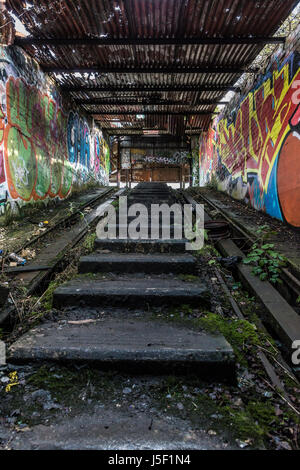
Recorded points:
(150,19)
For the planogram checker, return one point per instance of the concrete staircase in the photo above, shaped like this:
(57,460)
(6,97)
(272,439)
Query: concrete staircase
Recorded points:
(139,274)
(155,263)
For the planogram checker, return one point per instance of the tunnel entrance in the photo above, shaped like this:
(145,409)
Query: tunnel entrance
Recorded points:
(151,159)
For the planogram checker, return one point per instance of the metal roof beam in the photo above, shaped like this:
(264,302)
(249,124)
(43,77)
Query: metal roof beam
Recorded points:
(31,41)
(120,102)
(129,129)
(148,88)
(162,69)
(158,113)
(140,131)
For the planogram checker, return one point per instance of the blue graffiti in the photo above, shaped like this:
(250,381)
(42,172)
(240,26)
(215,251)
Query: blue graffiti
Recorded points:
(271,196)
(73,138)
(257,197)
(78,141)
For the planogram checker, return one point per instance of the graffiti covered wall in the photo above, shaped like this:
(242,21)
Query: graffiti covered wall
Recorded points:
(195,160)
(45,147)
(163,157)
(254,155)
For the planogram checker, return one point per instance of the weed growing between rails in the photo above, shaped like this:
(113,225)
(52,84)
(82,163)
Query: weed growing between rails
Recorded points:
(31,309)
(266,261)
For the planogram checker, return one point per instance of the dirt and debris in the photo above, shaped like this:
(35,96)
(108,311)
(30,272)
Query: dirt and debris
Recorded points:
(47,402)
(249,415)
(252,217)
(32,220)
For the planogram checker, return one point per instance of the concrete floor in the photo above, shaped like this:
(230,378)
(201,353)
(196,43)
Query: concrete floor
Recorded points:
(85,409)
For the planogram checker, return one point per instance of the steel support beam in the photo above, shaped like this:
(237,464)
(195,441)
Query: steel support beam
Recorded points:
(140,132)
(158,113)
(31,41)
(163,69)
(123,102)
(148,88)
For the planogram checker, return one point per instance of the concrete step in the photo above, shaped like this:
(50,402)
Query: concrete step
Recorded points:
(130,292)
(151,193)
(169,219)
(145,224)
(150,200)
(152,187)
(153,198)
(156,230)
(139,345)
(156,194)
(144,246)
(138,262)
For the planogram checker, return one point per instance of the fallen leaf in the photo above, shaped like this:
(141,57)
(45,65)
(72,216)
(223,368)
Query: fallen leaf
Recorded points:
(22,429)
(81,322)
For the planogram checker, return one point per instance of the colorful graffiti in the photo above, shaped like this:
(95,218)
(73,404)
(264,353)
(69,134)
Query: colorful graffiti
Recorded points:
(255,155)
(171,158)
(78,141)
(42,147)
(178,158)
(34,149)
(101,157)
(288,173)
(88,151)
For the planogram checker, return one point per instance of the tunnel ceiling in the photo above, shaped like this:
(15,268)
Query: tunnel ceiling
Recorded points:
(154,64)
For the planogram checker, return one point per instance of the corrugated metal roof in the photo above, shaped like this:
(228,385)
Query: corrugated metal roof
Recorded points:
(150,19)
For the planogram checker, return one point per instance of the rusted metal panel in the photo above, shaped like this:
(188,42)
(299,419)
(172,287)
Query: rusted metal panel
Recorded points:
(148,19)
(152,18)
(171,175)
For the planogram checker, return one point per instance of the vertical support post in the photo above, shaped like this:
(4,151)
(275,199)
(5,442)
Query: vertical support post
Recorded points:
(118,165)
(180,176)
(191,173)
(191,162)
(130,179)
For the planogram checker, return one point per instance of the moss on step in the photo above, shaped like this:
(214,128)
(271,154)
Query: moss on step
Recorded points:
(248,422)
(48,296)
(89,242)
(188,277)
(241,334)
(115,203)
(63,382)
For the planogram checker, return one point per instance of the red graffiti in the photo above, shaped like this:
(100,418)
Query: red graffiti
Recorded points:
(242,152)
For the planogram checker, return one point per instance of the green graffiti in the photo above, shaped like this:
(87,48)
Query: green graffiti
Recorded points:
(22,163)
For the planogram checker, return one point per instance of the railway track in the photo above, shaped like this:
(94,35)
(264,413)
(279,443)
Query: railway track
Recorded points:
(53,244)
(38,275)
(65,221)
(116,311)
(290,287)
(125,273)
(284,324)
